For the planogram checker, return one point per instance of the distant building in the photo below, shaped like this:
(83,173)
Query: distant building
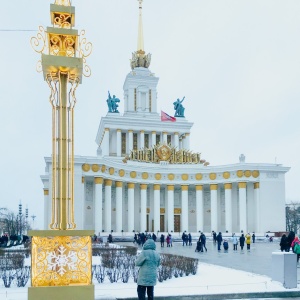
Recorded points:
(145,178)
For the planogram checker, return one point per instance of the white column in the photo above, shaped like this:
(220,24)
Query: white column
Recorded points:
(164,137)
(47,209)
(228,207)
(105,142)
(130,140)
(153,138)
(119,143)
(183,142)
(187,141)
(107,208)
(243,206)
(119,205)
(257,205)
(98,204)
(142,139)
(184,208)
(180,143)
(199,208)
(214,207)
(130,215)
(170,208)
(176,140)
(156,207)
(143,213)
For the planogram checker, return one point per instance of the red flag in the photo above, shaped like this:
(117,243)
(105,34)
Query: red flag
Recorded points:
(165,117)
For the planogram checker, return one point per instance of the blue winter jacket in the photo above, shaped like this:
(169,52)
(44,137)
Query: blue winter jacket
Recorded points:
(148,261)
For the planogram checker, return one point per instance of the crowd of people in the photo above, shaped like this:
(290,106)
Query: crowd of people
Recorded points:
(290,241)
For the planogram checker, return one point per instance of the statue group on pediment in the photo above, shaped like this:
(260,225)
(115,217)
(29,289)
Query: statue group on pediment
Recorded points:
(140,60)
(178,107)
(112,103)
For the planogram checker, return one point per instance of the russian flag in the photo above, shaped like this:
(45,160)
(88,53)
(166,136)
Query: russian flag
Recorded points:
(165,117)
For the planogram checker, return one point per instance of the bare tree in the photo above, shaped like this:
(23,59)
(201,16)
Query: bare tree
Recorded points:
(293,217)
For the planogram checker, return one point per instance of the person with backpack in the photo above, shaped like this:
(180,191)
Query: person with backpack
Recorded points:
(242,241)
(296,247)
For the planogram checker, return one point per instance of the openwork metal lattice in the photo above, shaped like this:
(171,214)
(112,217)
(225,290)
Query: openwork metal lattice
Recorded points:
(61,260)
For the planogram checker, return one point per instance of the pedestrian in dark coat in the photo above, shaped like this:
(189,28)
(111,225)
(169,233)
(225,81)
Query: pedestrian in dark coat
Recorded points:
(203,240)
(283,243)
(148,261)
(289,240)
(253,237)
(219,240)
(214,237)
(242,241)
(162,240)
(190,239)
(183,238)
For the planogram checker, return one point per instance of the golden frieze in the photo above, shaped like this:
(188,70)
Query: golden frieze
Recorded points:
(165,153)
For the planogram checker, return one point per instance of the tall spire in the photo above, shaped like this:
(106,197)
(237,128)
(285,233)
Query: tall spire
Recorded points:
(140,43)
(139,58)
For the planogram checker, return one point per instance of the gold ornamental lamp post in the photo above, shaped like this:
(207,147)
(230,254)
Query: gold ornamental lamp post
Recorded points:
(61,258)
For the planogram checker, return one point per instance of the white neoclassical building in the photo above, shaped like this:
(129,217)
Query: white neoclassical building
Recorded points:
(145,178)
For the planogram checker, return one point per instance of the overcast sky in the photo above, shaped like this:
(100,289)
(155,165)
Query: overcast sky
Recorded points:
(236,62)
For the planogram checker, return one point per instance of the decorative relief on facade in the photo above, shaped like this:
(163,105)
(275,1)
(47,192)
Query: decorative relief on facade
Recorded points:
(95,168)
(162,210)
(145,175)
(158,176)
(184,176)
(103,168)
(199,176)
(121,173)
(247,173)
(239,173)
(111,171)
(226,175)
(167,153)
(61,260)
(255,173)
(148,210)
(133,174)
(212,176)
(171,176)
(86,167)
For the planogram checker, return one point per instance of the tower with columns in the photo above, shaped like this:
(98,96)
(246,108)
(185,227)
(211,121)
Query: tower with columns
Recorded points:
(145,178)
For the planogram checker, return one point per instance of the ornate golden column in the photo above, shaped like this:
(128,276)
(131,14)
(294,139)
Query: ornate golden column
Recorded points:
(61,257)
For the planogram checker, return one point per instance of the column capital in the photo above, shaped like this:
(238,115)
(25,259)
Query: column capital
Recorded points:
(164,132)
(119,130)
(119,183)
(98,180)
(142,131)
(156,187)
(256,185)
(187,134)
(242,185)
(130,185)
(106,129)
(143,186)
(130,130)
(108,182)
(227,186)
(184,187)
(46,192)
(213,187)
(199,187)
(170,187)
(176,133)
(153,132)
(82,179)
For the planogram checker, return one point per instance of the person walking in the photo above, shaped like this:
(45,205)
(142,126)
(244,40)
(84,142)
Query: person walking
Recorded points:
(234,241)
(289,240)
(162,240)
(168,240)
(242,241)
(183,238)
(253,237)
(296,247)
(148,261)
(248,240)
(283,242)
(214,237)
(219,240)
(203,241)
(190,239)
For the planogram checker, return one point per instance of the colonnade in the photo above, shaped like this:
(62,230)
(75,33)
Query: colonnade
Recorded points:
(184,211)
(180,142)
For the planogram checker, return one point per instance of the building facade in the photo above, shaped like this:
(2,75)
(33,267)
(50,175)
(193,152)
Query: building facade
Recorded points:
(145,178)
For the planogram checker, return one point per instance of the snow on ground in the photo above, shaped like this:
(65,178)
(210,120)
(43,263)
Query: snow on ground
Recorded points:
(210,279)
